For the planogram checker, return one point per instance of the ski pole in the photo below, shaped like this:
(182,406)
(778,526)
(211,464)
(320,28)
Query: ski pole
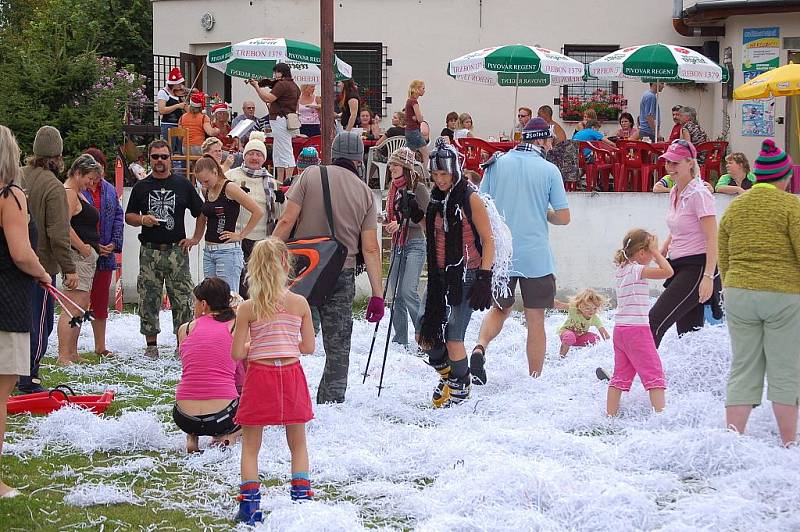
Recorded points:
(375,332)
(400,268)
(61,297)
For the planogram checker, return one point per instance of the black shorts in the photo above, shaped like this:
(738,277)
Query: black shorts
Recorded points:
(218,424)
(537,292)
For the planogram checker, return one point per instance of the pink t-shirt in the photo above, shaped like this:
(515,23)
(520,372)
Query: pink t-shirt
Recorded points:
(208,369)
(683,219)
(633,296)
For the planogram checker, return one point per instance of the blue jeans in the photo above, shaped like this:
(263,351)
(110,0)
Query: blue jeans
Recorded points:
(42,311)
(406,301)
(458,316)
(226,263)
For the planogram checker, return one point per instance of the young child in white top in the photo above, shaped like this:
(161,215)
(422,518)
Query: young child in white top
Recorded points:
(634,348)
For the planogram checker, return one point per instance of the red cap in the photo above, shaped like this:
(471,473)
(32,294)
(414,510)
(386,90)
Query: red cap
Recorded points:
(222,106)
(198,99)
(175,76)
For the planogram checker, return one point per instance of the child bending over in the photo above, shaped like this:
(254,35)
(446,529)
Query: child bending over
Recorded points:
(581,316)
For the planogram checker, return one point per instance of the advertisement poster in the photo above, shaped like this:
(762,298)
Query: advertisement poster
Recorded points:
(760,52)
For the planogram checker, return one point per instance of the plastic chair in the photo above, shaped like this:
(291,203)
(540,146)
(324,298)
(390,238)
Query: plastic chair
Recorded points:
(391,144)
(604,164)
(475,151)
(714,152)
(638,157)
(186,157)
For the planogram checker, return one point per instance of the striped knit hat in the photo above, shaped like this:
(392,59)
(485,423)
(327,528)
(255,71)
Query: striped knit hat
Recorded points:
(772,163)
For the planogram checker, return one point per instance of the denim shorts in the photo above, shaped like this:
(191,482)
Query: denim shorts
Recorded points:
(414,139)
(458,315)
(225,263)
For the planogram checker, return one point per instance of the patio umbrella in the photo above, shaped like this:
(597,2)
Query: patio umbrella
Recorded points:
(781,81)
(656,63)
(255,58)
(516,65)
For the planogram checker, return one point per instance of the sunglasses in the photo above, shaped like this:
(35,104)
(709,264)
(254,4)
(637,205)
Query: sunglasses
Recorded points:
(523,116)
(157,156)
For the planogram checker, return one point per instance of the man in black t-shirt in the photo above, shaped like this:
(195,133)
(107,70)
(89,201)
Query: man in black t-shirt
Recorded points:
(158,204)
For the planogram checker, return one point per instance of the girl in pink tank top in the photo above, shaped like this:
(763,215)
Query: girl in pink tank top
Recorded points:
(207,398)
(275,391)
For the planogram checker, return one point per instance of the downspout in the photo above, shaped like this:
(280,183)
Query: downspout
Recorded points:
(692,31)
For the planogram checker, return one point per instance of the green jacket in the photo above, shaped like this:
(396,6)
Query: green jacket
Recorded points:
(47,202)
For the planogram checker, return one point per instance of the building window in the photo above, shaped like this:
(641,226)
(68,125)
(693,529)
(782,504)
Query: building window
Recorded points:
(602,95)
(368,60)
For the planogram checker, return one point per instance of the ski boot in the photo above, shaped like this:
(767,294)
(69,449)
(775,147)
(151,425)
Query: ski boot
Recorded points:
(457,390)
(249,503)
(440,392)
(301,490)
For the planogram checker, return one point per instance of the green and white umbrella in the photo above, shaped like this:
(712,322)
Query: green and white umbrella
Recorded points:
(516,65)
(255,58)
(662,62)
(652,63)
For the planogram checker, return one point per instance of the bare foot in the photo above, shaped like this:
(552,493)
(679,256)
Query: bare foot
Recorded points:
(75,357)
(564,350)
(62,361)
(7,491)
(192,444)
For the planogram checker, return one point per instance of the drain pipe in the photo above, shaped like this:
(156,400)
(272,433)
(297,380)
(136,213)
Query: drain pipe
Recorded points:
(692,31)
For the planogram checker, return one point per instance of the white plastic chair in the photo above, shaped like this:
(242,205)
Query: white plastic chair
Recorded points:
(391,144)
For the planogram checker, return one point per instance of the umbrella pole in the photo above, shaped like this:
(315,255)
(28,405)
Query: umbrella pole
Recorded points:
(516,93)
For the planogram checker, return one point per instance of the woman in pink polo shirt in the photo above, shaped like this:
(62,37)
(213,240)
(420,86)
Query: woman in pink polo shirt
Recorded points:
(206,400)
(691,246)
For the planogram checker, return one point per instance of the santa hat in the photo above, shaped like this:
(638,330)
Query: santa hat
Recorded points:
(222,106)
(175,77)
(198,99)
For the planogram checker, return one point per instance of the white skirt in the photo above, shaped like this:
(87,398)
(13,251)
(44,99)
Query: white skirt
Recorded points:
(282,153)
(15,353)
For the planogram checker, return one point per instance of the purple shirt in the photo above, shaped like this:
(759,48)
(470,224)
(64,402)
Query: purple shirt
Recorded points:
(112,223)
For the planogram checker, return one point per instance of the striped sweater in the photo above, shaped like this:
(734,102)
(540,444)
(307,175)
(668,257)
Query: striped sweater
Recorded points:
(759,241)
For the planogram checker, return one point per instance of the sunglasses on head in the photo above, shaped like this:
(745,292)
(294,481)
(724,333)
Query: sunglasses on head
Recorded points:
(157,156)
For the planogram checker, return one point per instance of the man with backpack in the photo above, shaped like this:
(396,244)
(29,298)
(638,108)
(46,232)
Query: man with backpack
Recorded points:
(529,192)
(354,215)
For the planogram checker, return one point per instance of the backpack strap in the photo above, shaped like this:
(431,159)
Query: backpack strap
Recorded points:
(326,198)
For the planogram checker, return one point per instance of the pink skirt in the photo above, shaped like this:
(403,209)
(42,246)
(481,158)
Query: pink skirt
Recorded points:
(274,395)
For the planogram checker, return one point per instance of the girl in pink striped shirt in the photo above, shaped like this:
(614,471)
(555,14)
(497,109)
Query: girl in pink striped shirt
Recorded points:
(278,324)
(634,348)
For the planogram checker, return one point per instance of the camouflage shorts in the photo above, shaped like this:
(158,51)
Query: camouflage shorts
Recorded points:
(156,269)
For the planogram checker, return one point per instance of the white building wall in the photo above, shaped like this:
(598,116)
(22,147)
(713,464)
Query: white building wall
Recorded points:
(789,24)
(422,36)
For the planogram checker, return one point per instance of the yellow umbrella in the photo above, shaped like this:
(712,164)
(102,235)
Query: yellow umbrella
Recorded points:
(783,81)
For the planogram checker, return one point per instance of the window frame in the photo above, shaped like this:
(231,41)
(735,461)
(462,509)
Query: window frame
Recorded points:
(585,89)
(378,71)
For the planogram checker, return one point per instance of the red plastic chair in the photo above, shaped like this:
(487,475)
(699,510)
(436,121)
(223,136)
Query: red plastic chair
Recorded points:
(638,158)
(475,151)
(714,152)
(604,165)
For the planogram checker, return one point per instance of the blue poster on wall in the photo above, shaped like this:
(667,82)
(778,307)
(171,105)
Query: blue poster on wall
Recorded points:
(760,52)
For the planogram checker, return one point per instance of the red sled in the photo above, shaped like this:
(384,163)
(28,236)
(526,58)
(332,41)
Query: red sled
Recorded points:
(45,402)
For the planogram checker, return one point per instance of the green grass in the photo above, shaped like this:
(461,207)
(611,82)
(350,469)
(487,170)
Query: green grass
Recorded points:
(41,478)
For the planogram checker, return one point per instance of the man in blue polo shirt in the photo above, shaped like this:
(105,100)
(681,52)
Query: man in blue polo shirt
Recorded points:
(649,114)
(529,192)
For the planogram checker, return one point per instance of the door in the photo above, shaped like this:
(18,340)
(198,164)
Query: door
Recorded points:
(192,68)
(793,125)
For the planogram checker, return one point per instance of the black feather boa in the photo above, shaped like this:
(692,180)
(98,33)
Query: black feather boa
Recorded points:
(445,285)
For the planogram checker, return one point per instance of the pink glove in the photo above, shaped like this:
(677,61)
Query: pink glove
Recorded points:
(375,309)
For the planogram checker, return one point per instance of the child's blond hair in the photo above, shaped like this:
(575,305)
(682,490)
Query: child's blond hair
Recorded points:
(267,276)
(588,296)
(635,240)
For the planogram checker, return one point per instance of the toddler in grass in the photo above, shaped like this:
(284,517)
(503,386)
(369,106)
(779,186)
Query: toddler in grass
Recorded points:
(581,316)
(634,348)
(278,324)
